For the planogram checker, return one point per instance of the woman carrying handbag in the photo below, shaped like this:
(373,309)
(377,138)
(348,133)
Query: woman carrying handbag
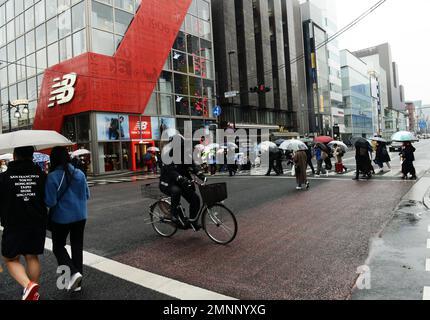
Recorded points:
(66,194)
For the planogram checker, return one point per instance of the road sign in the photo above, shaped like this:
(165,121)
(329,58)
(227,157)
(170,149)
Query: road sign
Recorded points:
(423,124)
(217,111)
(231,94)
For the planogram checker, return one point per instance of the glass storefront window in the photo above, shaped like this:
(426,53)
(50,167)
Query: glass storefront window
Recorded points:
(39,12)
(180,42)
(182,106)
(193,46)
(30,43)
(78,17)
(11,55)
(109,157)
(125,4)
(3,75)
(66,48)
(10,27)
(125,156)
(102,16)
(204,12)
(2,15)
(29,19)
(195,86)
(103,42)
(41,36)
(52,30)
(205,30)
(20,69)
(166,82)
(10,10)
(19,25)
(181,84)
(151,107)
(53,54)
(180,62)
(122,21)
(65,23)
(206,49)
(69,129)
(83,128)
(12,73)
(166,104)
(51,8)
(3,36)
(79,43)
(31,65)
(32,88)
(63,5)
(20,48)
(41,59)
(168,63)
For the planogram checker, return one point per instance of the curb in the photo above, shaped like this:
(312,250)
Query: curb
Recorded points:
(426,200)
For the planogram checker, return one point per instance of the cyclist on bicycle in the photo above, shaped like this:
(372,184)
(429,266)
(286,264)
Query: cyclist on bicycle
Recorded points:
(176,181)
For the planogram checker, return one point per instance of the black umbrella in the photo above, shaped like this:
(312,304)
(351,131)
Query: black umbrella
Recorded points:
(323,147)
(360,142)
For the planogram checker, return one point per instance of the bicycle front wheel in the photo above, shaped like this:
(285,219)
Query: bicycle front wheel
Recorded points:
(161,220)
(220,224)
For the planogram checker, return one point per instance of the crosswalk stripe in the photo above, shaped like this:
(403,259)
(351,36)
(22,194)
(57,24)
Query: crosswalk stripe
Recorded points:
(428,265)
(426,294)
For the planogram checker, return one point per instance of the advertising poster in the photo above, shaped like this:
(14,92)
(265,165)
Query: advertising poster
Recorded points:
(112,127)
(140,128)
(159,125)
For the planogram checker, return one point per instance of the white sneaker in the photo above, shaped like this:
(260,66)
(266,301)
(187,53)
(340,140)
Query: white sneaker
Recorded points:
(75,282)
(381,171)
(299,188)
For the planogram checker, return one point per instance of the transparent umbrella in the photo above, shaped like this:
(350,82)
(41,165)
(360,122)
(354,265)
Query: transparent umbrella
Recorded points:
(293,145)
(403,136)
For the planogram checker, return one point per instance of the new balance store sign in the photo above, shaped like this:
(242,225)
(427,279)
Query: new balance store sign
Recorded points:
(63,90)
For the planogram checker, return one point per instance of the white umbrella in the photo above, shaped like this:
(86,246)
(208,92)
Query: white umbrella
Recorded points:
(80,152)
(340,144)
(153,149)
(378,139)
(39,139)
(293,145)
(7,157)
(267,146)
(403,136)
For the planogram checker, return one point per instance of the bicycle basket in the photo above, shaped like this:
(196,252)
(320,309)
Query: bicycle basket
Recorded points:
(213,193)
(151,191)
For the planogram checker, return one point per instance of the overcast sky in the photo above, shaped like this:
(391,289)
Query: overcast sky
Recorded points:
(402,23)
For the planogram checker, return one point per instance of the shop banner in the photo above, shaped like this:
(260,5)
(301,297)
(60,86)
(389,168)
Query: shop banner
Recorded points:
(140,128)
(112,127)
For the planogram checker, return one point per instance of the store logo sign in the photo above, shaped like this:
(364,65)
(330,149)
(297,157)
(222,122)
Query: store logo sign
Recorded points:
(63,90)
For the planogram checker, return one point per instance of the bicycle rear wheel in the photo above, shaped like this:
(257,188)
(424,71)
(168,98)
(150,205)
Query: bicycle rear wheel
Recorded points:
(161,219)
(220,224)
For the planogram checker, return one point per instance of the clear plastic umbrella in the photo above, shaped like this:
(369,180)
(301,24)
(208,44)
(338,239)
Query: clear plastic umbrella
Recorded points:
(340,144)
(40,157)
(403,136)
(267,146)
(80,152)
(293,145)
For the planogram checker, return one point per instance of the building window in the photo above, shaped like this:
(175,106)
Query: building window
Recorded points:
(52,30)
(41,36)
(39,12)
(64,23)
(122,21)
(103,42)
(79,43)
(125,4)
(53,54)
(78,17)
(102,16)
(181,84)
(66,49)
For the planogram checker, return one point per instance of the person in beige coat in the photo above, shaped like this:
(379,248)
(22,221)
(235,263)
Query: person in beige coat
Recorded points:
(301,163)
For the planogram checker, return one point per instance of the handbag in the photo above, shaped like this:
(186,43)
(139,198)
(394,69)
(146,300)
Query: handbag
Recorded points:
(51,210)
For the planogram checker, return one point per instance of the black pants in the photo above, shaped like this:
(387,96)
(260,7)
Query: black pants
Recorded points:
(60,232)
(190,195)
(311,165)
(273,167)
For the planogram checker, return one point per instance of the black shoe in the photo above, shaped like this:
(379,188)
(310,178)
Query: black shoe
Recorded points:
(356,179)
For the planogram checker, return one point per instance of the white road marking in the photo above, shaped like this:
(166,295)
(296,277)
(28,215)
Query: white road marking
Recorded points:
(428,265)
(426,295)
(428,228)
(428,243)
(164,285)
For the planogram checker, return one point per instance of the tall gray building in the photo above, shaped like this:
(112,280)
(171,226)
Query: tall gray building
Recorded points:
(256,42)
(395,91)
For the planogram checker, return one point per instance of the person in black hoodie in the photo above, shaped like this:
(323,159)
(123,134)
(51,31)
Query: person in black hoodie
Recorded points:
(176,182)
(24,218)
(408,157)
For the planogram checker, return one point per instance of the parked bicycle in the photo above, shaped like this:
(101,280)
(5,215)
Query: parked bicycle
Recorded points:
(217,220)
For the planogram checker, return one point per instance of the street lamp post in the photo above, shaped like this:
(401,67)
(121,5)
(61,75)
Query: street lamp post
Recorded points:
(230,53)
(15,105)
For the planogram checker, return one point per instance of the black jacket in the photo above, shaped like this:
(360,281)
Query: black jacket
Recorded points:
(22,191)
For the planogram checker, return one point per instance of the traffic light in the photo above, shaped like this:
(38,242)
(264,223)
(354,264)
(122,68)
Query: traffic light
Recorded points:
(260,89)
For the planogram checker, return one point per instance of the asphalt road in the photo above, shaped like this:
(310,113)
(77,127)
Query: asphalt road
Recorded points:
(290,245)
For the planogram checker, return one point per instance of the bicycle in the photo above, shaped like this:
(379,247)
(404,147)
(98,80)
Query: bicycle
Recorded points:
(218,221)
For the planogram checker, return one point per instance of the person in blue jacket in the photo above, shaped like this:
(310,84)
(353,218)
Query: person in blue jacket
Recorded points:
(66,194)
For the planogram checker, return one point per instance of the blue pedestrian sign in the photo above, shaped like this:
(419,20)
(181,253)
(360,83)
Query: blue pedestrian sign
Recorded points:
(217,111)
(422,124)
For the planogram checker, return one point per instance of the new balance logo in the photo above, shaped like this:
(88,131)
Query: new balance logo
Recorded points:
(63,90)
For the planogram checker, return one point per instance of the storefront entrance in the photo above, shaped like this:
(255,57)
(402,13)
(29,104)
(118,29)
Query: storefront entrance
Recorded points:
(140,152)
